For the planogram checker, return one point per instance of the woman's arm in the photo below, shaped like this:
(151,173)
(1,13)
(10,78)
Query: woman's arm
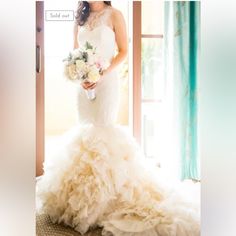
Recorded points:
(76,44)
(119,28)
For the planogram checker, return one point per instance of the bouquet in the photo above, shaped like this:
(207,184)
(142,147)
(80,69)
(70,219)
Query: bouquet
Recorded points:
(84,65)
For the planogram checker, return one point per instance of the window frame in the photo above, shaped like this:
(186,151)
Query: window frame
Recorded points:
(137,72)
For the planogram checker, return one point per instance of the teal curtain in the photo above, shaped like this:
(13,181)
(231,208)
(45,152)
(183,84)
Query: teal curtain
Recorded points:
(181,51)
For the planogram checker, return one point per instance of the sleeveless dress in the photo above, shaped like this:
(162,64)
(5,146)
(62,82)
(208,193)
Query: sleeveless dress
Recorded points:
(97,177)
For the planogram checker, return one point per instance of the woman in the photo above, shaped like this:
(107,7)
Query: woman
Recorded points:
(98,178)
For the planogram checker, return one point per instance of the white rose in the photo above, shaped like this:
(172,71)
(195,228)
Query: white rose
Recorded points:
(93,75)
(89,51)
(71,71)
(76,53)
(80,65)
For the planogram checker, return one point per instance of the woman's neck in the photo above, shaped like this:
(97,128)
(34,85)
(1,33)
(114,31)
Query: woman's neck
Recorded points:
(96,6)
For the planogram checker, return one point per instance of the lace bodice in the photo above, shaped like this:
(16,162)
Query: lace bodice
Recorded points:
(98,32)
(102,17)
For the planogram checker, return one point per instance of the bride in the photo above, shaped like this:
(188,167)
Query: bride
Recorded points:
(97,176)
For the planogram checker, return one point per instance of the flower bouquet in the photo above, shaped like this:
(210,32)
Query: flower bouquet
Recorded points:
(84,65)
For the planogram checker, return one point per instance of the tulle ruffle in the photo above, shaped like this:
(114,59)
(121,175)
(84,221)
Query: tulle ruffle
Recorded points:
(95,176)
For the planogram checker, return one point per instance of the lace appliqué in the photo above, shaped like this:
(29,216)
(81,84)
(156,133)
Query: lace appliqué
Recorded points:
(96,19)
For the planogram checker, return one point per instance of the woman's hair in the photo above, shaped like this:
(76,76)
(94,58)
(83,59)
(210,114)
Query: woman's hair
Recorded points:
(83,12)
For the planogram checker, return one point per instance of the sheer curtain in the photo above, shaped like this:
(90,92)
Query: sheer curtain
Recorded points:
(181,52)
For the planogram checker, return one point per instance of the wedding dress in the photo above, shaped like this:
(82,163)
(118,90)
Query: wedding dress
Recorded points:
(97,175)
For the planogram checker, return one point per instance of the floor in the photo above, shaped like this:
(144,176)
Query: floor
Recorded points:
(44,227)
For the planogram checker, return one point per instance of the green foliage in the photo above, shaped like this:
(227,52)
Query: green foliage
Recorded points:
(68,58)
(88,45)
(85,56)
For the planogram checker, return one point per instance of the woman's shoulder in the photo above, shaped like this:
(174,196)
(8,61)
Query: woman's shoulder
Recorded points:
(115,13)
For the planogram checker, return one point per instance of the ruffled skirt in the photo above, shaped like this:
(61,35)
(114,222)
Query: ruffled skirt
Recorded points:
(96,176)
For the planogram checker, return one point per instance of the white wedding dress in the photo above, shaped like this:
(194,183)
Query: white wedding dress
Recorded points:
(97,175)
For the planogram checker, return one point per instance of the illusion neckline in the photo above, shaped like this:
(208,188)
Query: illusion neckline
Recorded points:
(98,12)
(94,19)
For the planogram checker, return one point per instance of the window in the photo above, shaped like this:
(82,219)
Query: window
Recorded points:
(149,95)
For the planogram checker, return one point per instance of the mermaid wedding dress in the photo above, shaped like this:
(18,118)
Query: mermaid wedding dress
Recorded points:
(97,177)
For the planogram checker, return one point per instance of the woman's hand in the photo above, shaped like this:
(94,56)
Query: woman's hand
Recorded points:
(87,85)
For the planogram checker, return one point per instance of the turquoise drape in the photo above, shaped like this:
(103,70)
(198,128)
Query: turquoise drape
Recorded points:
(181,49)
